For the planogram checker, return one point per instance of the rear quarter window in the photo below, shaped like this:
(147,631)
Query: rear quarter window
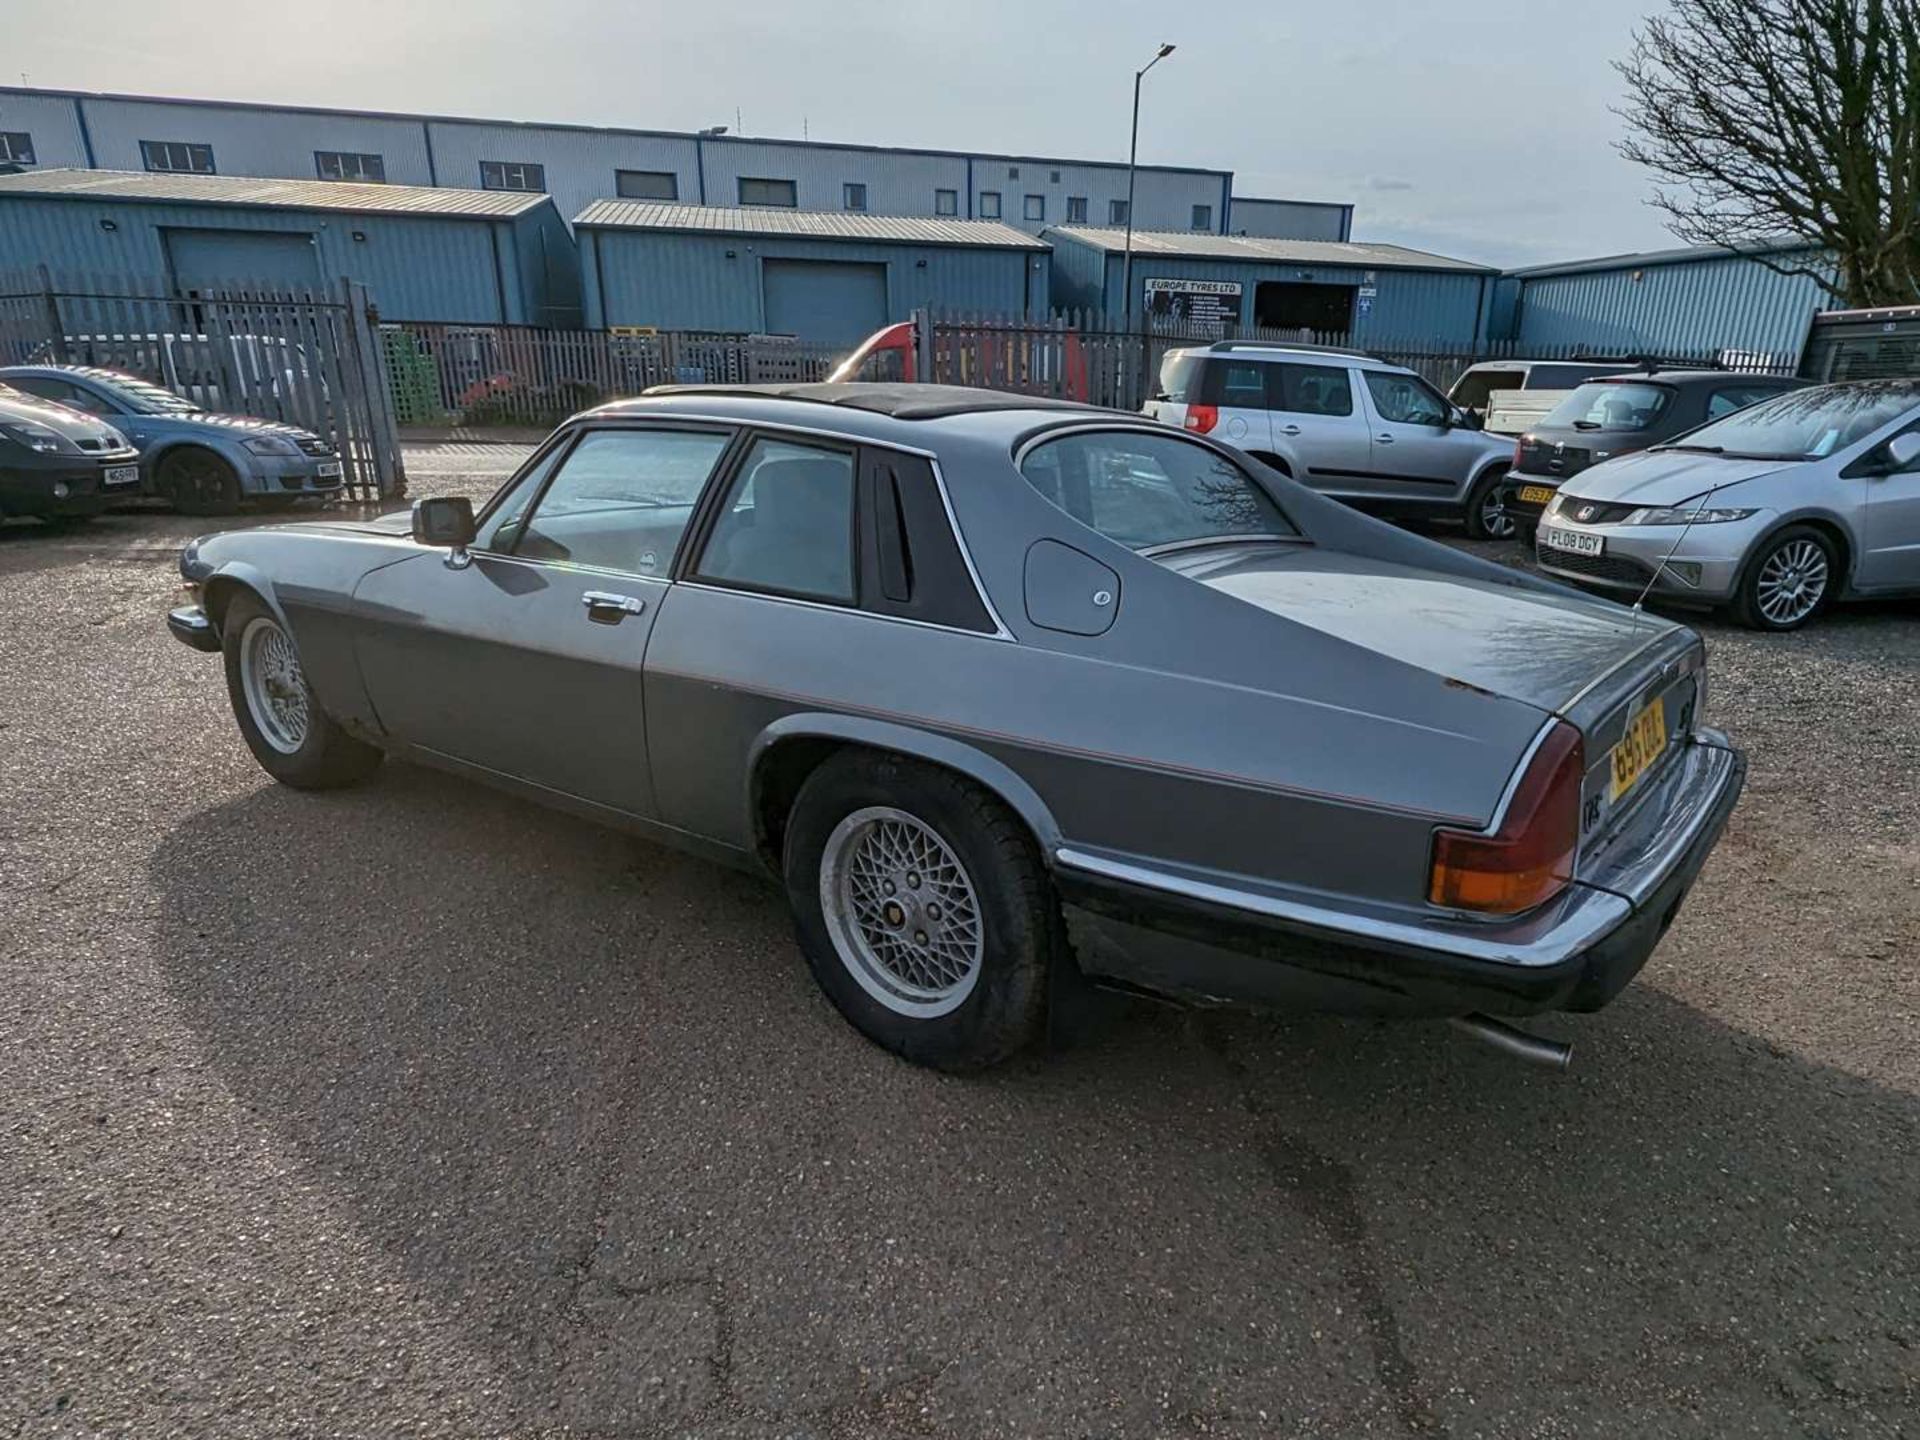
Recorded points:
(1180,378)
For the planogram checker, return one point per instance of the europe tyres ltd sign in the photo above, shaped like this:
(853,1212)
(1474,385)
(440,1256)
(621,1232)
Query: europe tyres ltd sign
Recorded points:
(1199,304)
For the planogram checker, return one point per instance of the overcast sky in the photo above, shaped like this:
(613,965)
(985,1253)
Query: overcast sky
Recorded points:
(1477,128)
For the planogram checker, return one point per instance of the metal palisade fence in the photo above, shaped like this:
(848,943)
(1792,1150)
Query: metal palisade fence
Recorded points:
(1087,356)
(310,358)
(520,375)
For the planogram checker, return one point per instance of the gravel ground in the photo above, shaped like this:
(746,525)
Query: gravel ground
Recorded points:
(419,1111)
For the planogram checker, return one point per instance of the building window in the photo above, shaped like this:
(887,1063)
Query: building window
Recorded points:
(177,157)
(1116,212)
(1036,207)
(1013,172)
(853,197)
(1076,209)
(768,192)
(1203,217)
(989,204)
(348,165)
(512,175)
(1053,177)
(646,184)
(946,202)
(16,147)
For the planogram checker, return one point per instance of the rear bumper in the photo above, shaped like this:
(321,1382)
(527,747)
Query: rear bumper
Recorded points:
(1172,934)
(1528,512)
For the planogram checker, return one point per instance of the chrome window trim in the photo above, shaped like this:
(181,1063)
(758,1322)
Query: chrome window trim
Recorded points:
(1001,636)
(1000,630)
(1588,914)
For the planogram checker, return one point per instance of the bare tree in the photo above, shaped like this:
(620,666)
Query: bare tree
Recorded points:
(1765,119)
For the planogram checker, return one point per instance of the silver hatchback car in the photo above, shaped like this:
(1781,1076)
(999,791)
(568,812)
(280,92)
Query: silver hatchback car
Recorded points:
(1777,510)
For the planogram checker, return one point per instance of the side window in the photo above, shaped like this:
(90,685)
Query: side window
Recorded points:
(621,500)
(57,391)
(1241,384)
(500,524)
(1404,399)
(911,566)
(1311,389)
(786,524)
(1725,402)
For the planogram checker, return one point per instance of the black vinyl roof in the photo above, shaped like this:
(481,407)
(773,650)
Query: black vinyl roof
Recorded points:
(900,402)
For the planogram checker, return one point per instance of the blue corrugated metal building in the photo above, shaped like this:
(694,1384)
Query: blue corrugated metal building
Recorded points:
(1671,302)
(1377,292)
(458,256)
(818,275)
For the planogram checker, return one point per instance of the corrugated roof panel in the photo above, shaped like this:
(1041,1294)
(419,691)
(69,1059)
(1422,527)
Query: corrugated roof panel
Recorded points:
(807,224)
(1200,246)
(269,194)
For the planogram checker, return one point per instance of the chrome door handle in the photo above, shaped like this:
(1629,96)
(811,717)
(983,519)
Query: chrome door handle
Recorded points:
(1289,429)
(1383,439)
(611,609)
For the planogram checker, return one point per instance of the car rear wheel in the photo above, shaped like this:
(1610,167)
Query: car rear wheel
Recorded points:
(1788,581)
(1487,515)
(199,482)
(922,908)
(295,741)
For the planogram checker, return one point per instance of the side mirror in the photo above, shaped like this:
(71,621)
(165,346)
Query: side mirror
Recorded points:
(445,520)
(1903,451)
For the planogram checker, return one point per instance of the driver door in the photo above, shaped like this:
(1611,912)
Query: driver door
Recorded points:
(525,662)
(1415,454)
(1891,529)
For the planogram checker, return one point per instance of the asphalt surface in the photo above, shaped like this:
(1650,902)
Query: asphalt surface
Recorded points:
(415,1110)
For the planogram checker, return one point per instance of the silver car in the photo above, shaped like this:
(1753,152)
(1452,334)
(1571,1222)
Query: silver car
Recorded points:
(1777,510)
(1008,694)
(1371,433)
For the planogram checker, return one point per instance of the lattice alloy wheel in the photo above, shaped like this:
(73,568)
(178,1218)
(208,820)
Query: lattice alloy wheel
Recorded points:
(902,912)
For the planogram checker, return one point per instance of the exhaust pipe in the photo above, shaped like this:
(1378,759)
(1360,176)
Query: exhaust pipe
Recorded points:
(1534,1049)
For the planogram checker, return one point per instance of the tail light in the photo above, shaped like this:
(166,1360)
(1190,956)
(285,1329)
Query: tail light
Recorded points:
(1519,451)
(1202,418)
(1529,859)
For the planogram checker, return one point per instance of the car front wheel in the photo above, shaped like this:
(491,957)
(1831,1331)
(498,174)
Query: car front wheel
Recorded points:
(1487,515)
(922,908)
(295,741)
(199,482)
(1788,581)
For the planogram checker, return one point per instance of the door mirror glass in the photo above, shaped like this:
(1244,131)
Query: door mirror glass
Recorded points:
(1903,451)
(444,520)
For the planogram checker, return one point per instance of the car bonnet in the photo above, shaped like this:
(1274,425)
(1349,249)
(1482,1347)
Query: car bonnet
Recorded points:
(1667,477)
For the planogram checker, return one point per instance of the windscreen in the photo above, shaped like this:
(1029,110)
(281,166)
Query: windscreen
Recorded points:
(1180,377)
(1808,424)
(1606,405)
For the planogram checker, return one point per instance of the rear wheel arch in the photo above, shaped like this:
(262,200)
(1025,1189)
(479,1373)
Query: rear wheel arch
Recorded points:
(1276,462)
(790,750)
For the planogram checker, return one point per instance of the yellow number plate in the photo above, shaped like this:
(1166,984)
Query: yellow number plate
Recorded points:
(1537,494)
(1646,737)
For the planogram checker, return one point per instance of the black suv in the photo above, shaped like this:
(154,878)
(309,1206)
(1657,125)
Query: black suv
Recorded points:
(1617,415)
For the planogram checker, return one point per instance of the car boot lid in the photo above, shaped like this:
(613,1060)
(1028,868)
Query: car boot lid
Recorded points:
(1541,647)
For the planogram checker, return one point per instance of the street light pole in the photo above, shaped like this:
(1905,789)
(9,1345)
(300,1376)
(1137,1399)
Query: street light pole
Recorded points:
(1133,156)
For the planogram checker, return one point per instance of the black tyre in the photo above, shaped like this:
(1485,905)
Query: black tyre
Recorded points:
(295,741)
(1788,580)
(198,482)
(922,908)
(1487,515)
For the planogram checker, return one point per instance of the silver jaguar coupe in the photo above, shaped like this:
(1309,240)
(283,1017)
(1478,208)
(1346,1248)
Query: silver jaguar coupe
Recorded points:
(1009,693)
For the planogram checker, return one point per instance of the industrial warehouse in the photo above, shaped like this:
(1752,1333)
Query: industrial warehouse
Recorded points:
(459,221)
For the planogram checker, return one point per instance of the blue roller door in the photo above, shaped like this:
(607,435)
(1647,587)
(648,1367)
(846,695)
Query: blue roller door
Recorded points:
(224,259)
(824,299)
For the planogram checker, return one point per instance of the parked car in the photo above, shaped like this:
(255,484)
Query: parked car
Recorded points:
(996,685)
(1531,387)
(56,465)
(1777,510)
(1615,416)
(1351,426)
(205,464)
(220,373)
